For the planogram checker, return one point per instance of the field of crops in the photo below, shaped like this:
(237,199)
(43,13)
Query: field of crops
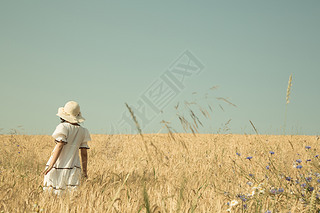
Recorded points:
(169,173)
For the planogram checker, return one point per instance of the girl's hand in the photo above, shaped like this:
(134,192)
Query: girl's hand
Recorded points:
(47,170)
(56,153)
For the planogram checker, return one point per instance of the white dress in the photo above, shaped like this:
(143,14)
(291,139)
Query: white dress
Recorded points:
(66,172)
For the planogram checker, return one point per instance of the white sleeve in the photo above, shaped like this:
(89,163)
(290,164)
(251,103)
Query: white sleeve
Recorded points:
(61,133)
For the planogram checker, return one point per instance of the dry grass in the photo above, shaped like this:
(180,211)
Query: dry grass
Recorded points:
(179,173)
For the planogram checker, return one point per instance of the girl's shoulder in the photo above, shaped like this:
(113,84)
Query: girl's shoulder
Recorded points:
(60,131)
(84,129)
(63,125)
(63,128)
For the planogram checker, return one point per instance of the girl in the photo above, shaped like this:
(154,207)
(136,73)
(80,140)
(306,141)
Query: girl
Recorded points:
(63,170)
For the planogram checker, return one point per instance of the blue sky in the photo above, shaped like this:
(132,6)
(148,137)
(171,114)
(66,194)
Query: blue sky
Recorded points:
(104,54)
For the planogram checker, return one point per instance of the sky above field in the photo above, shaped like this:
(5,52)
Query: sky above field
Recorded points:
(153,55)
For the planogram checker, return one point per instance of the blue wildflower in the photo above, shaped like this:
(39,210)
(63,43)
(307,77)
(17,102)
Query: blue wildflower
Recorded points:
(243,198)
(271,152)
(268,167)
(308,147)
(318,180)
(245,206)
(316,156)
(299,167)
(268,211)
(303,185)
(251,175)
(249,158)
(308,160)
(280,190)
(288,178)
(299,160)
(238,154)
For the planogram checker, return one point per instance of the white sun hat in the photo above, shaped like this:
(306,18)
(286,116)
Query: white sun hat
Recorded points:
(71,112)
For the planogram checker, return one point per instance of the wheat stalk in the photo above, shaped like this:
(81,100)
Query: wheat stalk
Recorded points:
(287,101)
(313,200)
(289,89)
(117,193)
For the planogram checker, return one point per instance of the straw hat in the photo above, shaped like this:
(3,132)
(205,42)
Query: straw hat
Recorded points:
(71,112)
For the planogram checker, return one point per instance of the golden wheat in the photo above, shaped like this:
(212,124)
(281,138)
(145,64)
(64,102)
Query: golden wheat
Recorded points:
(202,178)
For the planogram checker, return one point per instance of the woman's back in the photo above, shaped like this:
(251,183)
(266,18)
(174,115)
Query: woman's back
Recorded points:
(74,137)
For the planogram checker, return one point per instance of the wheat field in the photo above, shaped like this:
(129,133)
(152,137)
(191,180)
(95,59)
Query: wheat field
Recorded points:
(169,173)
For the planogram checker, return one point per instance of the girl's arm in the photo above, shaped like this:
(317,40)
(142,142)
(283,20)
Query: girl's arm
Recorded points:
(56,154)
(84,159)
